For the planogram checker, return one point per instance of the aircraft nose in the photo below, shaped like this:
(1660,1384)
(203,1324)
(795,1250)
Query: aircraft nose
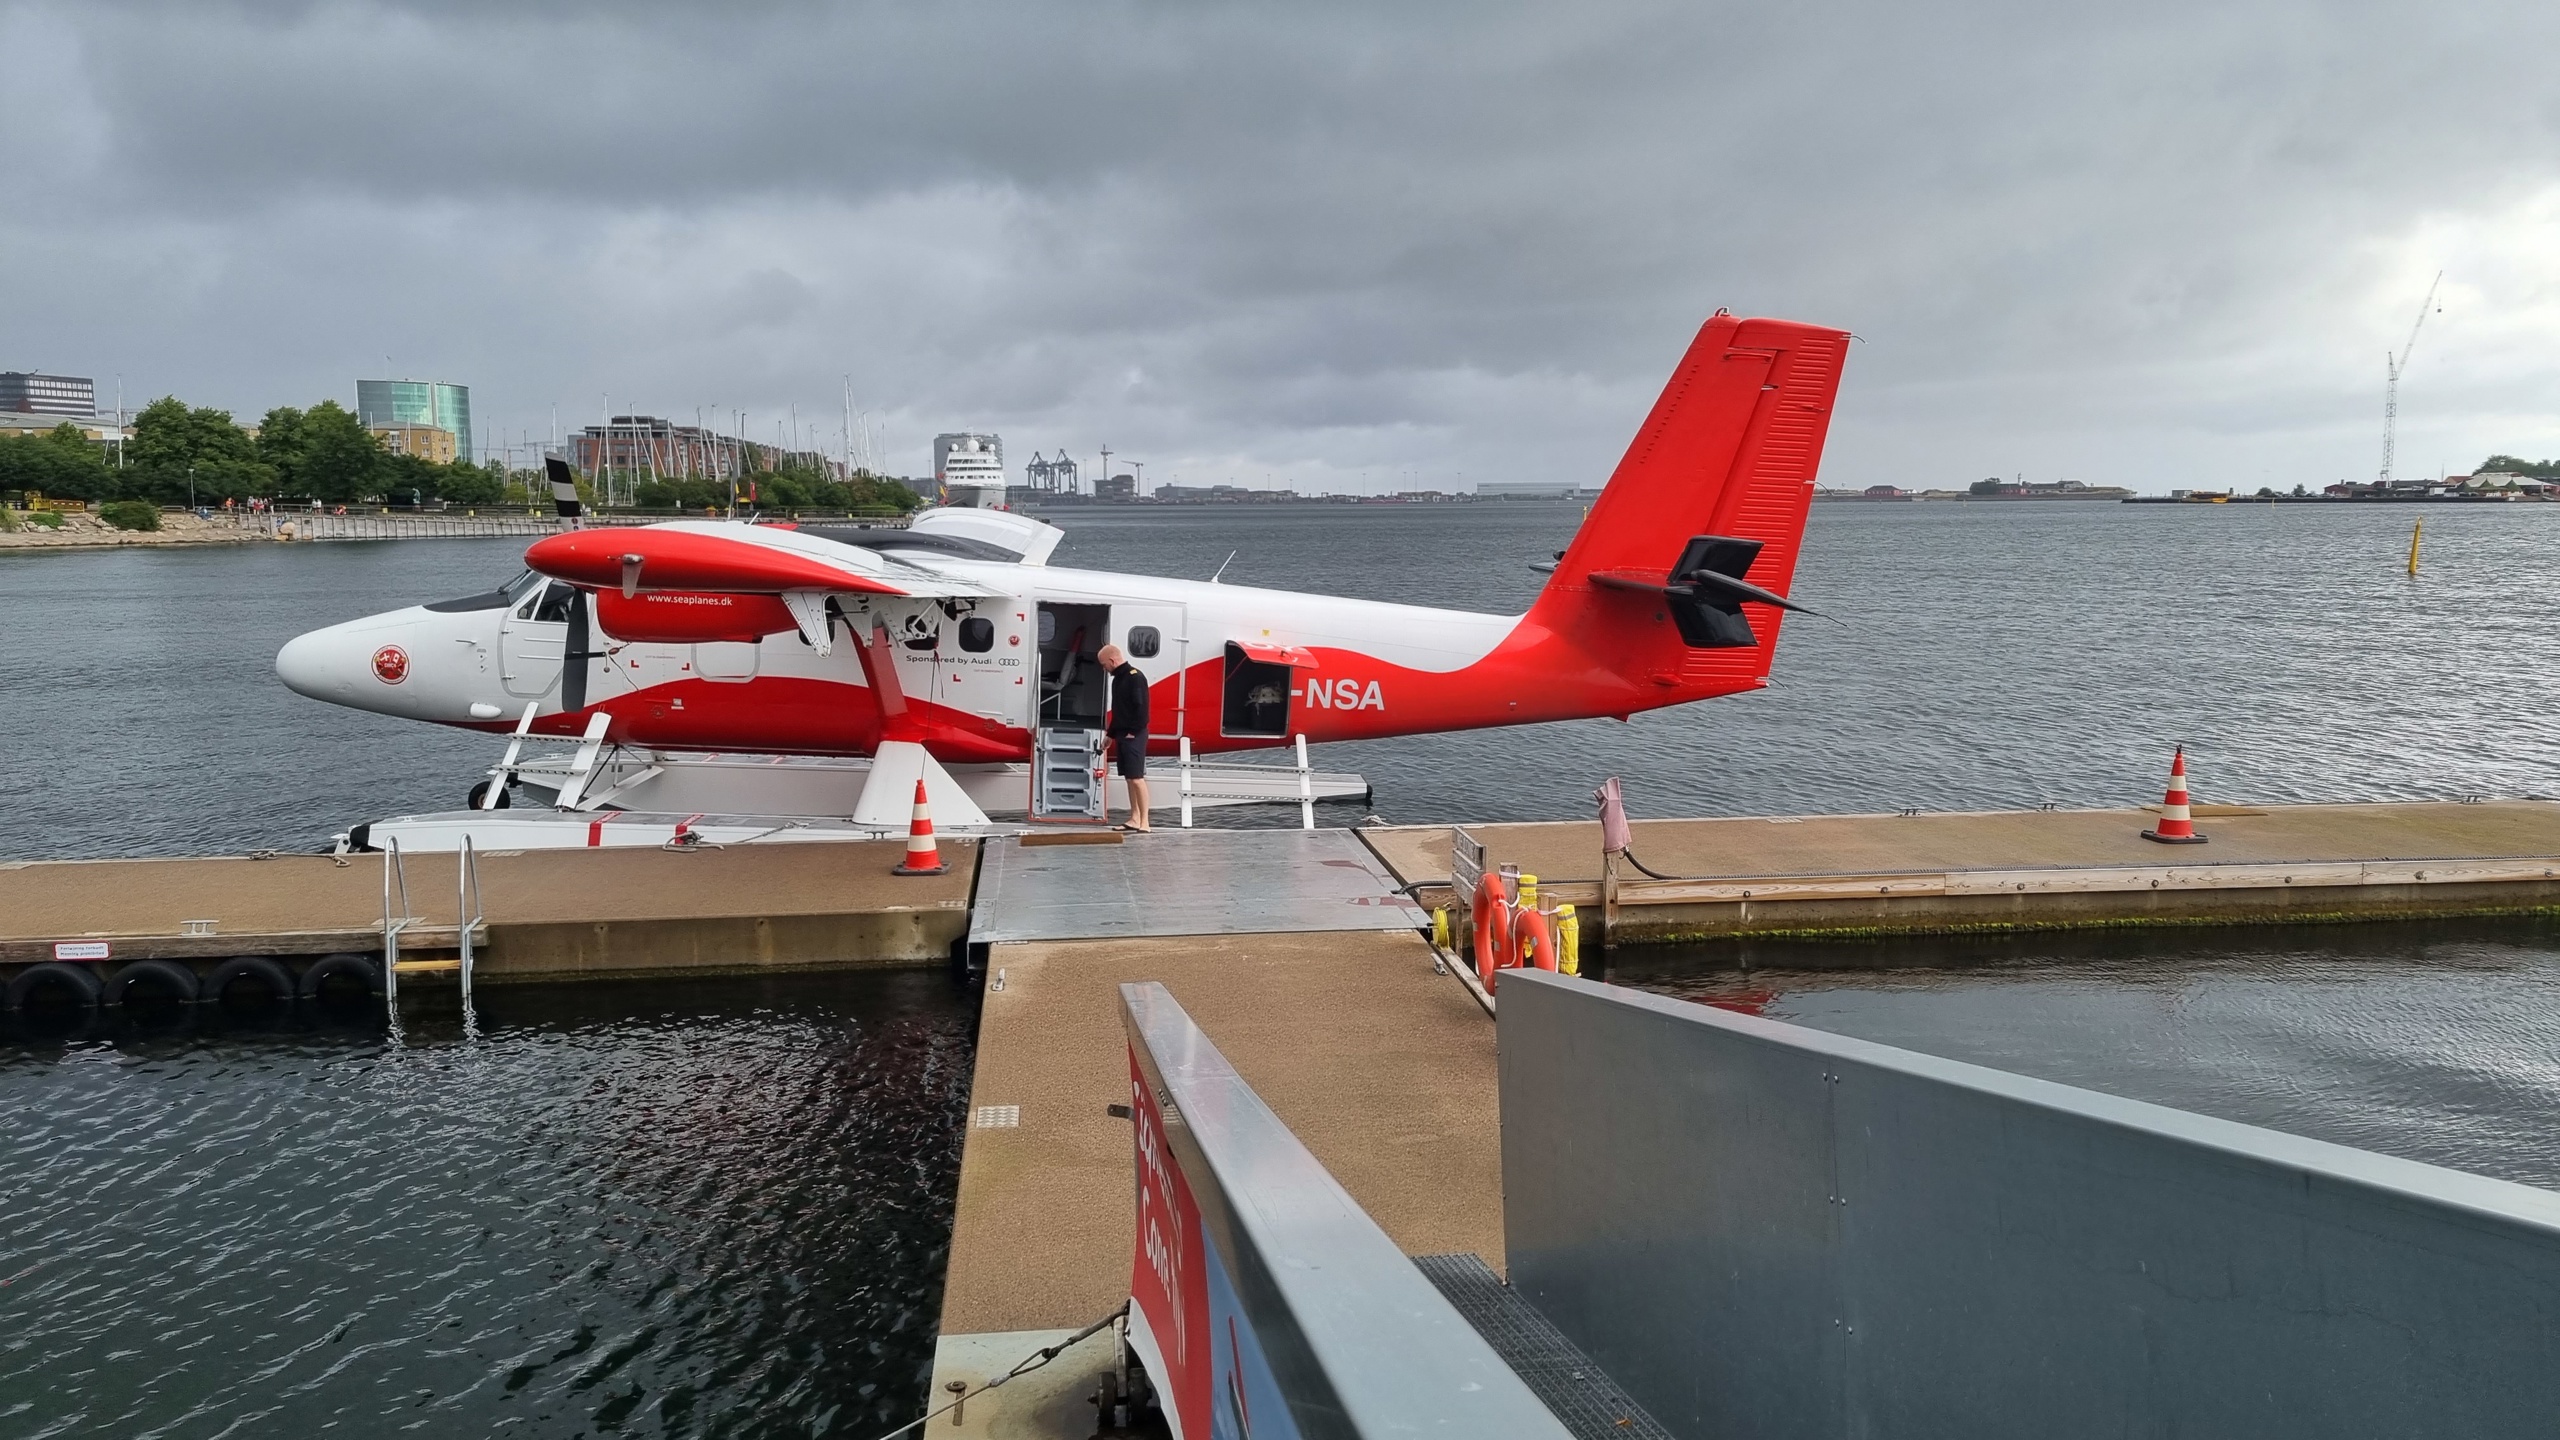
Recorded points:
(323,664)
(305,667)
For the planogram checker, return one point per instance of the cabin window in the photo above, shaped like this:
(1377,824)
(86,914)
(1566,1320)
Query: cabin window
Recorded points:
(1144,641)
(978,634)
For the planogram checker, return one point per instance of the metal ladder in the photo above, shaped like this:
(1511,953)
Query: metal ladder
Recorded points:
(1067,774)
(469,913)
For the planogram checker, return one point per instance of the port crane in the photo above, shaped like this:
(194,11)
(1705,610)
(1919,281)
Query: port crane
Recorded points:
(2395,366)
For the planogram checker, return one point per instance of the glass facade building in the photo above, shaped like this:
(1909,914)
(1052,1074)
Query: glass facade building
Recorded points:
(381,403)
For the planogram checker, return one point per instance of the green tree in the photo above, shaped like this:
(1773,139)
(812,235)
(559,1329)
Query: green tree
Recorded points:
(408,479)
(282,438)
(2538,469)
(176,449)
(47,465)
(467,484)
(341,461)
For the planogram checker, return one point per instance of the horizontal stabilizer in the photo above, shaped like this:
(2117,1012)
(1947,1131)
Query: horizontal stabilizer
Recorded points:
(1706,591)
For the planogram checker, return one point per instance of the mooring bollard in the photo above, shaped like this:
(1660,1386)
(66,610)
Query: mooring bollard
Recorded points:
(1568,941)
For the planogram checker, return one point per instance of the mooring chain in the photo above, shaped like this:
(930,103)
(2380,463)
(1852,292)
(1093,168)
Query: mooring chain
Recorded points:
(1029,1363)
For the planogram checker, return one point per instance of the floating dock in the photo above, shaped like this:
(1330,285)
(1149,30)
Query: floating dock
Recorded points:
(1296,948)
(1846,876)
(536,914)
(1289,972)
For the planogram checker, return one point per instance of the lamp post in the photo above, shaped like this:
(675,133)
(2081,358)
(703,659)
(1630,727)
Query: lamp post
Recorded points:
(191,487)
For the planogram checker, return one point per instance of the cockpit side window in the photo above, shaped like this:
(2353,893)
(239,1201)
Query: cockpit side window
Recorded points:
(555,602)
(521,586)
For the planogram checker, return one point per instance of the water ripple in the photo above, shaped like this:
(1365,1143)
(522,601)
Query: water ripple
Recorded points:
(723,1214)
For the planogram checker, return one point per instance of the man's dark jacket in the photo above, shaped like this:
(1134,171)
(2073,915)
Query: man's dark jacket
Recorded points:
(1128,701)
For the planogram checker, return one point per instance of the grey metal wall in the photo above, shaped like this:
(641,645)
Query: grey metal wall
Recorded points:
(1767,1231)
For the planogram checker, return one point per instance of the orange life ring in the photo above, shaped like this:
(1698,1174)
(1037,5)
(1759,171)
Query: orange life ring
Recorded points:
(1533,941)
(1493,932)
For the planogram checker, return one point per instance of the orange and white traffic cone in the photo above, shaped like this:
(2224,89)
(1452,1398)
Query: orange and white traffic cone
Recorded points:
(923,856)
(2175,826)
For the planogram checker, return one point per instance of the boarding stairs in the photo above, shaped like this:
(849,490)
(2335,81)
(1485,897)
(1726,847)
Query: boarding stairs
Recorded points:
(1068,775)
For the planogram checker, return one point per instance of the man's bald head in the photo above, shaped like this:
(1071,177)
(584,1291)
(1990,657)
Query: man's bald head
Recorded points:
(1110,657)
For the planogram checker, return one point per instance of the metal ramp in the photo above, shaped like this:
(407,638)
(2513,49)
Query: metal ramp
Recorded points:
(1067,773)
(1185,882)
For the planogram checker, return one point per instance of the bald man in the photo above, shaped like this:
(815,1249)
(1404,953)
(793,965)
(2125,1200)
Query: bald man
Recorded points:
(1127,729)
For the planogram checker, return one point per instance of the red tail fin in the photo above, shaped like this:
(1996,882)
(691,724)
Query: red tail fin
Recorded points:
(1729,451)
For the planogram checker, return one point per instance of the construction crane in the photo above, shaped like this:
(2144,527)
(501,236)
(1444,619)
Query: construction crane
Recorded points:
(2395,366)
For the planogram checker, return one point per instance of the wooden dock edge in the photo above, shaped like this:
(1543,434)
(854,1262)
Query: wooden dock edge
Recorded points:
(1676,912)
(669,949)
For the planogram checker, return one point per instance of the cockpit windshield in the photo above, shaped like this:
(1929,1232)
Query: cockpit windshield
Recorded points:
(498,599)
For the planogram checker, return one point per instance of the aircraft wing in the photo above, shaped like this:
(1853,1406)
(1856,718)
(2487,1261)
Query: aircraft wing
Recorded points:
(730,558)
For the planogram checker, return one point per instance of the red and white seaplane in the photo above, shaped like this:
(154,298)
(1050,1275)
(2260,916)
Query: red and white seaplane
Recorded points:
(716,675)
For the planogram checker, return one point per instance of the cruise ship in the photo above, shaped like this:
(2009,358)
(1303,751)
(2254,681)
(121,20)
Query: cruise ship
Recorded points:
(971,471)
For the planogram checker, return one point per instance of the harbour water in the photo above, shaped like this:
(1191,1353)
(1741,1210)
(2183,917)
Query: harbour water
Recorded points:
(716,1209)
(1979,656)
(687,1209)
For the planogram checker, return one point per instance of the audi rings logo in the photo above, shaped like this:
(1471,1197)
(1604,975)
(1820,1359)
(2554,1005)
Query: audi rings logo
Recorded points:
(390,664)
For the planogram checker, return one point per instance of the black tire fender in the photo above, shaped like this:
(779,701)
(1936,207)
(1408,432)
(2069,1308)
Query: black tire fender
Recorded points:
(165,975)
(345,963)
(257,969)
(82,979)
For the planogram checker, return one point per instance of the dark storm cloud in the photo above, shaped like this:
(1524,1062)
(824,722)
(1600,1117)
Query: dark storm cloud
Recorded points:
(2150,246)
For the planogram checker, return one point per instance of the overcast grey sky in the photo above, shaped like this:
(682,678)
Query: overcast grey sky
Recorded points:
(1355,246)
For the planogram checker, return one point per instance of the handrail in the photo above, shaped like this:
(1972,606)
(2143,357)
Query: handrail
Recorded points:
(1183,767)
(469,908)
(1306,787)
(393,865)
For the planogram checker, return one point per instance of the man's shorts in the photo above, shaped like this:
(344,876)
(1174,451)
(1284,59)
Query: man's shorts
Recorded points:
(1130,751)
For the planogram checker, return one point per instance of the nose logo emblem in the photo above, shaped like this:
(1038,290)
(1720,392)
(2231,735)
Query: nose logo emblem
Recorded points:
(390,664)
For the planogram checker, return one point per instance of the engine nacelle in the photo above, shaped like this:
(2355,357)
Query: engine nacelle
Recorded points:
(689,617)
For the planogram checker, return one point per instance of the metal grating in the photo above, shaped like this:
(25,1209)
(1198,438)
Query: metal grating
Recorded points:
(997,1117)
(1186,882)
(1581,1395)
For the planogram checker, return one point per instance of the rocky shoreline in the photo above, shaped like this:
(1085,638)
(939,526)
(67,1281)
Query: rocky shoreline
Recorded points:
(88,532)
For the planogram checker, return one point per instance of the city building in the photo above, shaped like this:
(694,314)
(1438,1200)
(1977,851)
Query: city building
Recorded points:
(653,448)
(1995,488)
(26,422)
(1525,490)
(1122,488)
(649,447)
(26,393)
(381,404)
(1219,495)
(431,443)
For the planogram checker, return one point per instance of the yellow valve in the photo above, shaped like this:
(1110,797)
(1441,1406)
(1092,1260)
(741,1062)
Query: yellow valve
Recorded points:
(1568,941)
(1440,927)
